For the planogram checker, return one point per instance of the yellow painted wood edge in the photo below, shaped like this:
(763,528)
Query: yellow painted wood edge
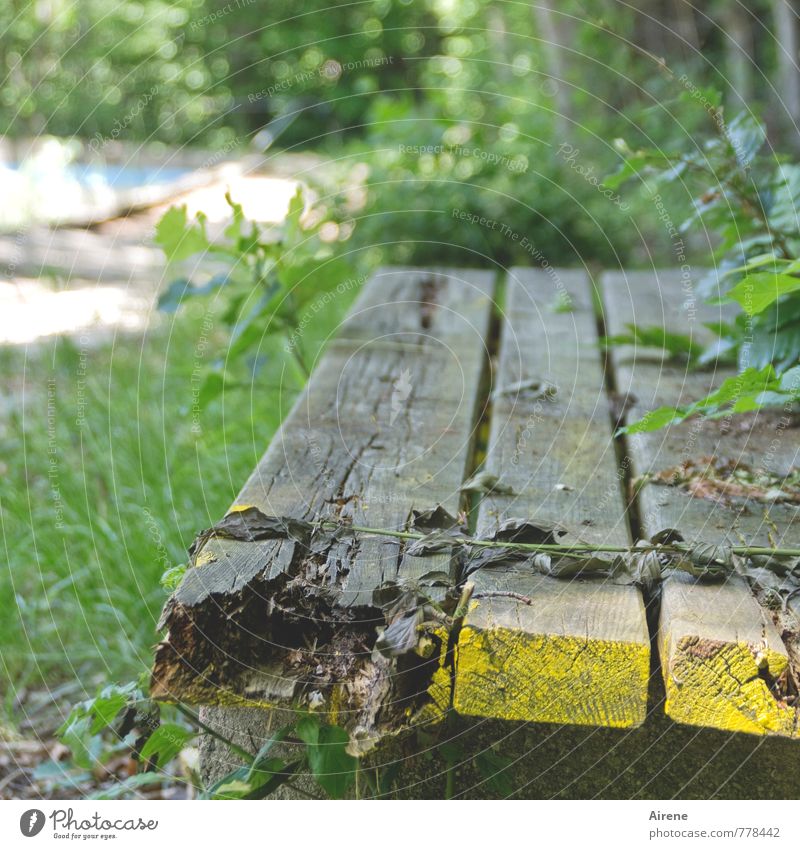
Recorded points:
(717,685)
(509,674)
(205,696)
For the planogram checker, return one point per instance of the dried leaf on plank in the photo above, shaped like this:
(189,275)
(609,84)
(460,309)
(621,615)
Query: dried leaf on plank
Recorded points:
(434,519)
(724,480)
(435,542)
(250,525)
(538,389)
(486,483)
(528,532)
(402,635)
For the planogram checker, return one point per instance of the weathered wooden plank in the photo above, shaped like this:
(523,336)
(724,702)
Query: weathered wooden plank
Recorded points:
(384,427)
(579,653)
(721,652)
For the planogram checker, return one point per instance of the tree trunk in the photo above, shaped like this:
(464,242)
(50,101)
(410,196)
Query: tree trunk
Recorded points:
(554,30)
(785,23)
(739,55)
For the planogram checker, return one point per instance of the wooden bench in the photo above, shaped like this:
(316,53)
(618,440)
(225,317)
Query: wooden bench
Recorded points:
(434,375)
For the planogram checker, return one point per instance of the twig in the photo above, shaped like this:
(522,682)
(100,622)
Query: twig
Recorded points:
(12,776)
(506,594)
(463,603)
(560,548)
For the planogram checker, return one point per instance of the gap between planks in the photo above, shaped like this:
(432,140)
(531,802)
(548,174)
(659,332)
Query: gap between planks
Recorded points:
(719,649)
(579,653)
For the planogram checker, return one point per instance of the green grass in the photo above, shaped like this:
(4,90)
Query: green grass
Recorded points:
(81,569)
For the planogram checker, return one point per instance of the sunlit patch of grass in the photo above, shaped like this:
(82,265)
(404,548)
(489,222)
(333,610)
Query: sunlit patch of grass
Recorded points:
(106,474)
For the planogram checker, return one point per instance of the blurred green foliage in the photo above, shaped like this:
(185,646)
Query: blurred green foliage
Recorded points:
(520,103)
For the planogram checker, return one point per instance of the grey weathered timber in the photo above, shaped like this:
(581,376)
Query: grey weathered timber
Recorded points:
(551,443)
(661,759)
(572,652)
(385,426)
(721,652)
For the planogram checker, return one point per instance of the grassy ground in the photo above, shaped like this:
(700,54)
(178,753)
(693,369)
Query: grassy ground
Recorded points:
(106,474)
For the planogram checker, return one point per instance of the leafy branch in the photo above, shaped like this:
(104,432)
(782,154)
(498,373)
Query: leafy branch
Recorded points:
(123,718)
(750,199)
(271,277)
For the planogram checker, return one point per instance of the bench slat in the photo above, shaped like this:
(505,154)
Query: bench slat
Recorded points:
(384,426)
(579,653)
(711,638)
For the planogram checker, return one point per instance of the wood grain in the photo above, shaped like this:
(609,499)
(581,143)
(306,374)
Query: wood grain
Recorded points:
(579,652)
(385,426)
(719,648)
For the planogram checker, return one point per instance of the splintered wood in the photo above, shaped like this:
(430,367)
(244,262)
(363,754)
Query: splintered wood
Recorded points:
(407,413)
(385,426)
(724,662)
(578,652)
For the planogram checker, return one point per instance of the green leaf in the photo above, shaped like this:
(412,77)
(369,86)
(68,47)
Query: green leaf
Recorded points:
(232,788)
(246,783)
(133,782)
(165,743)
(654,420)
(63,775)
(381,780)
(739,394)
(493,768)
(790,381)
(309,277)
(331,765)
(746,134)
(785,207)
(763,259)
(170,299)
(234,230)
(261,758)
(211,388)
(87,719)
(757,291)
(707,98)
(452,753)
(172,577)
(779,346)
(562,303)
(749,382)
(234,785)
(249,333)
(105,710)
(629,168)
(721,349)
(180,289)
(75,735)
(307,729)
(291,227)
(178,238)
(743,404)
(675,344)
